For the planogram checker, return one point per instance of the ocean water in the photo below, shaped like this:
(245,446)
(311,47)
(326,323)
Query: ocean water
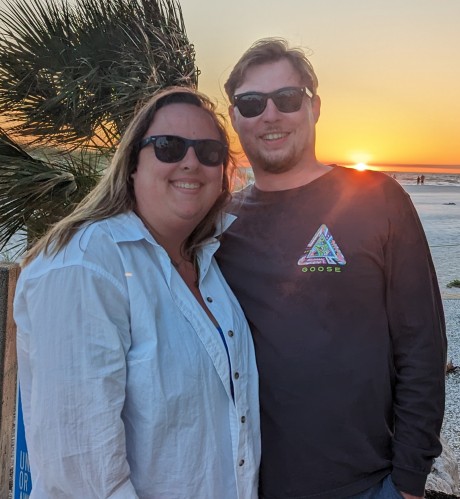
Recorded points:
(407,178)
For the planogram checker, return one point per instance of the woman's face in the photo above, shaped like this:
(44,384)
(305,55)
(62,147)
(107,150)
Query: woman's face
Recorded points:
(177,195)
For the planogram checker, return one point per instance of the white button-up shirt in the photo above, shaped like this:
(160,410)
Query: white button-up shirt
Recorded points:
(125,381)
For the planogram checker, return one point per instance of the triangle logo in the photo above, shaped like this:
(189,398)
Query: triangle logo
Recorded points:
(322,250)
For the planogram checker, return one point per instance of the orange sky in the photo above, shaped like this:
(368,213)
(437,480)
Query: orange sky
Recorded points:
(388,70)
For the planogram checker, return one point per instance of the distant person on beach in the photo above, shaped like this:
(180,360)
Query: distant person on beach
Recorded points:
(422,179)
(333,271)
(136,363)
(418,180)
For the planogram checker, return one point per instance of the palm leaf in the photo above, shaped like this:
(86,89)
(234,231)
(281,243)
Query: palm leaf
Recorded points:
(74,74)
(38,191)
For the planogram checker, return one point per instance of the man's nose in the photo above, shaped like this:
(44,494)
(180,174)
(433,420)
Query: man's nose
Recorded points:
(271,112)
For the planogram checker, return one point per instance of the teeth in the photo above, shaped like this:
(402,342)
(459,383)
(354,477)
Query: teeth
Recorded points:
(274,136)
(187,185)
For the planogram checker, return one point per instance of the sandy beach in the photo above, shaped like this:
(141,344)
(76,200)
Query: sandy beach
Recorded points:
(439,209)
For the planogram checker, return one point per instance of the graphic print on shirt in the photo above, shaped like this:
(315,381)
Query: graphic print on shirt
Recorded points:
(322,253)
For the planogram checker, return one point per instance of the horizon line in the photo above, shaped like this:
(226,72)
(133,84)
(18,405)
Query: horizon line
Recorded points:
(408,167)
(404,165)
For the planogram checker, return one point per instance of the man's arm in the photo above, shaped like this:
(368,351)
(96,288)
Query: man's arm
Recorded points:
(417,328)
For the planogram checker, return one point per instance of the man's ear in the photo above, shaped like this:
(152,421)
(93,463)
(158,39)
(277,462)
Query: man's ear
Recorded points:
(316,107)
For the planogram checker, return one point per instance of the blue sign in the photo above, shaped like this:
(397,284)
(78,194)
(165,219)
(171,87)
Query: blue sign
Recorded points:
(22,482)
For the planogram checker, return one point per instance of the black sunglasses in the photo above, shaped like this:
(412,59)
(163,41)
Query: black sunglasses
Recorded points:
(171,148)
(287,100)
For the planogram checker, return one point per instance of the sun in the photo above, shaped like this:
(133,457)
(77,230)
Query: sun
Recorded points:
(360,167)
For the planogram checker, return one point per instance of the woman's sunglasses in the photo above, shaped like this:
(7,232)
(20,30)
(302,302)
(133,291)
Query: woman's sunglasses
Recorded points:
(171,148)
(287,100)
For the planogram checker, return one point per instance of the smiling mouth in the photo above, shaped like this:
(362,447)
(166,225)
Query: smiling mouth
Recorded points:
(186,185)
(274,136)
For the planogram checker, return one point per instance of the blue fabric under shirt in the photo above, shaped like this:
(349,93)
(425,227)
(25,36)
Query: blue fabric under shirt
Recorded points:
(229,362)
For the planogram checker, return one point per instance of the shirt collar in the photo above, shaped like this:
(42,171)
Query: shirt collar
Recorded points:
(129,227)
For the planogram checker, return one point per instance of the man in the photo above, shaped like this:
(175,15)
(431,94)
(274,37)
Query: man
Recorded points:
(334,273)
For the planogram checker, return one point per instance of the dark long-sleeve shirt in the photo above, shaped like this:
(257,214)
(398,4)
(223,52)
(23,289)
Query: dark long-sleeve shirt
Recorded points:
(337,282)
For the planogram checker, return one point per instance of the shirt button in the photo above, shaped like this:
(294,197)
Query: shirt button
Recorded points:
(209,299)
(230,333)
(241,462)
(243,419)
(236,375)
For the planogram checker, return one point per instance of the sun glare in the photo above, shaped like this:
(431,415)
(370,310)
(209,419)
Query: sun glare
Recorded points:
(360,167)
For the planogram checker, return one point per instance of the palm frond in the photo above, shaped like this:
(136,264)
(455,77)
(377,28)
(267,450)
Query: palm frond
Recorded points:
(36,192)
(73,74)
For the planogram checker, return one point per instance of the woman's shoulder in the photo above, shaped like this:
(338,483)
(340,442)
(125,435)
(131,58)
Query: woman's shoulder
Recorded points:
(94,244)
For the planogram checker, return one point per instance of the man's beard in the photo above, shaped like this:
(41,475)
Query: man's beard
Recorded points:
(269,163)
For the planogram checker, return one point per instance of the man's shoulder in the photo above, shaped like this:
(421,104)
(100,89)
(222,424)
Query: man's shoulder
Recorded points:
(369,176)
(369,181)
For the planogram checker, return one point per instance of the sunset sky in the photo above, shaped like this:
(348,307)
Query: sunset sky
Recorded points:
(389,70)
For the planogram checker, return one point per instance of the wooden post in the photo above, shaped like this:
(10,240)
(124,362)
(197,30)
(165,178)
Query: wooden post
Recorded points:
(9,273)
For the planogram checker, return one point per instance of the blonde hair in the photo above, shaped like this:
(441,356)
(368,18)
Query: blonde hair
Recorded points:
(269,50)
(114,194)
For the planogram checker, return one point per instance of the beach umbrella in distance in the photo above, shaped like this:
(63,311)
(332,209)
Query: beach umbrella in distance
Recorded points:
(71,76)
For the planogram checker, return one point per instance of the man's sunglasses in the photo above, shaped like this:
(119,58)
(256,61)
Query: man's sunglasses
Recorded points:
(287,100)
(171,148)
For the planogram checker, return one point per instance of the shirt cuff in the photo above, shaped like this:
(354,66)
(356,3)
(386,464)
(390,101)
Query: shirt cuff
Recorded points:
(408,481)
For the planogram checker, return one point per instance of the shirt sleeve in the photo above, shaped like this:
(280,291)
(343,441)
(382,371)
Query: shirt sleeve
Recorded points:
(419,343)
(73,335)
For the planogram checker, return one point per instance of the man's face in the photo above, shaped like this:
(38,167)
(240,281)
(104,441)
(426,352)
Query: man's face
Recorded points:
(276,142)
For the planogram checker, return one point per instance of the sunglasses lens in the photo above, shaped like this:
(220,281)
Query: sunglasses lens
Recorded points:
(210,152)
(288,100)
(169,149)
(251,105)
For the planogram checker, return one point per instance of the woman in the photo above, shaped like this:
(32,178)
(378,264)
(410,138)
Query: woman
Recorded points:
(136,366)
